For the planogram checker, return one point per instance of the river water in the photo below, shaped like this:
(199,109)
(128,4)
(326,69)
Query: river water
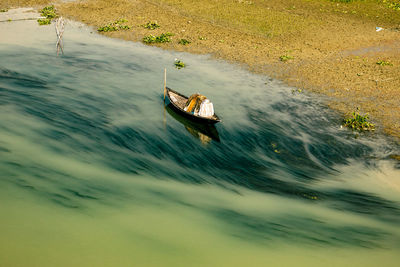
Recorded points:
(95,172)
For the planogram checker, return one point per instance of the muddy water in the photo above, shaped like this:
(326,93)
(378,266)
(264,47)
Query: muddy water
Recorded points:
(94,171)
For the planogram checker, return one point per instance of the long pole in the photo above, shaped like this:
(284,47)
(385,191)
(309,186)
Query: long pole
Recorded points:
(165,82)
(165,89)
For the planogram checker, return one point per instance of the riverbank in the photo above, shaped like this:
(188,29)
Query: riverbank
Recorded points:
(330,48)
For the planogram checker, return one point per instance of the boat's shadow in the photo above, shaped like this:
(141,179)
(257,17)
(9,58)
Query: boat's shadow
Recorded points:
(204,132)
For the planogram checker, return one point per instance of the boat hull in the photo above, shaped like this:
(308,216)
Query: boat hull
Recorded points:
(198,119)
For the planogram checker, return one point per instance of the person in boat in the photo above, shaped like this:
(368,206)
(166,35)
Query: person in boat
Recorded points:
(199,105)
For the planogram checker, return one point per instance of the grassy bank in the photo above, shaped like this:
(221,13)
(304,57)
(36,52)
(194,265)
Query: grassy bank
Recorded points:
(328,47)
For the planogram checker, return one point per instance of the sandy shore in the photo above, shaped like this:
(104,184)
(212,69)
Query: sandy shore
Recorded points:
(333,48)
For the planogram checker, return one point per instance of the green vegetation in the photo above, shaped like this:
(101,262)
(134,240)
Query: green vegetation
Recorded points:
(3,10)
(44,21)
(179,64)
(108,28)
(384,63)
(202,38)
(114,26)
(392,5)
(184,42)
(49,12)
(285,58)
(162,38)
(359,122)
(151,25)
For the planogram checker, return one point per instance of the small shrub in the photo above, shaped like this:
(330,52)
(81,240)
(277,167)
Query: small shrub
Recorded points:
(179,64)
(162,38)
(285,58)
(44,21)
(48,12)
(202,38)
(359,122)
(384,63)
(149,39)
(151,25)
(114,26)
(184,42)
(3,10)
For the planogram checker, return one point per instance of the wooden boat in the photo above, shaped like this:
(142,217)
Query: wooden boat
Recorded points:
(178,102)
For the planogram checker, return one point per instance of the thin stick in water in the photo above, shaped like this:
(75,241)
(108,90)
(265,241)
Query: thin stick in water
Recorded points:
(165,82)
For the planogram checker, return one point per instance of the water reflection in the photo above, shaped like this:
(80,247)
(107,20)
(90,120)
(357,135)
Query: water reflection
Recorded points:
(205,133)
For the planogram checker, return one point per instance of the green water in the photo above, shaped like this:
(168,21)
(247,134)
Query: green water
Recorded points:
(94,171)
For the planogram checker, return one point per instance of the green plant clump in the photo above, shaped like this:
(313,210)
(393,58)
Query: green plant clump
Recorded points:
(384,63)
(359,122)
(285,58)
(162,38)
(151,25)
(3,10)
(45,21)
(48,12)
(179,64)
(184,42)
(114,26)
(108,28)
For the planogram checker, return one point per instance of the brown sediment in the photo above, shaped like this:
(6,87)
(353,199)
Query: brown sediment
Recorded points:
(334,46)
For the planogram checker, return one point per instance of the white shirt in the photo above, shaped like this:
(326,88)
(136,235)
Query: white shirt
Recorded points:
(206,109)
